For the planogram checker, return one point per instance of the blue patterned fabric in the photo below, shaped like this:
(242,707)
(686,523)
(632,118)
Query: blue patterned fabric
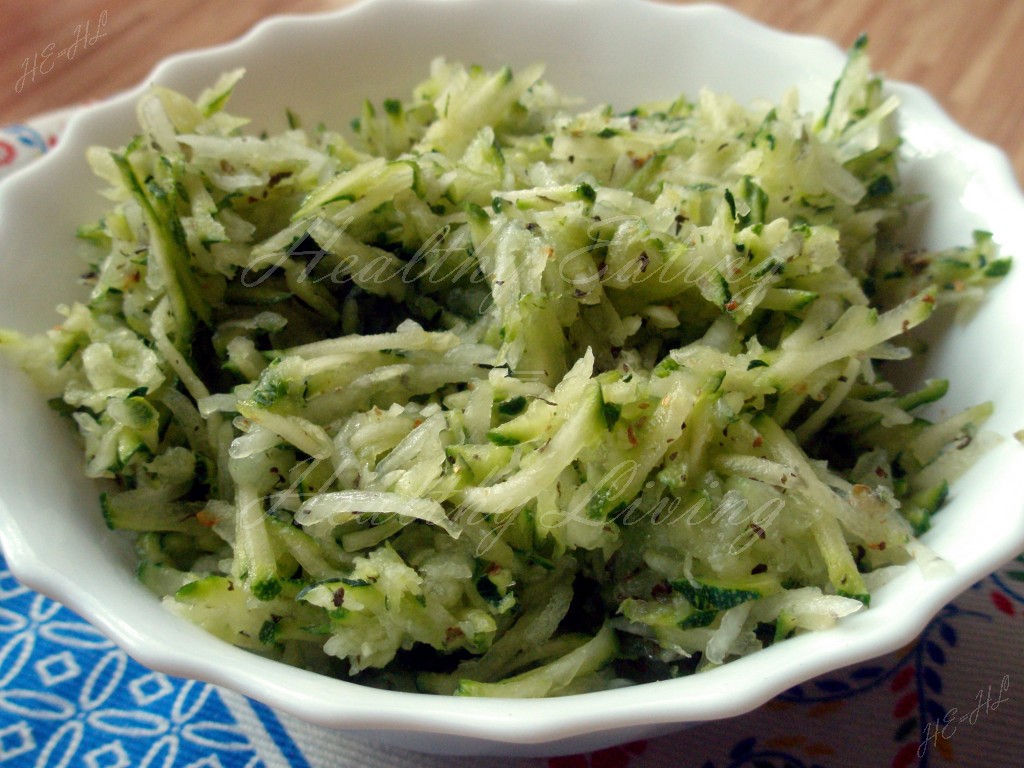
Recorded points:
(70,697)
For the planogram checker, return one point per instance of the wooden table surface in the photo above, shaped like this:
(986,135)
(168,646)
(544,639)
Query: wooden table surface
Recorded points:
(968,54)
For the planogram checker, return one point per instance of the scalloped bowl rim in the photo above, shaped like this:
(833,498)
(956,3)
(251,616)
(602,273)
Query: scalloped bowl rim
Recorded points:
(50,567)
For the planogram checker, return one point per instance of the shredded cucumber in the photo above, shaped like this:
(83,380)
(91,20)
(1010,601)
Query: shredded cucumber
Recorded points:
(494,398)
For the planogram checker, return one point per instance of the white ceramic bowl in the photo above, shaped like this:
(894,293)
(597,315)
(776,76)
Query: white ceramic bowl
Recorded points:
(605,50)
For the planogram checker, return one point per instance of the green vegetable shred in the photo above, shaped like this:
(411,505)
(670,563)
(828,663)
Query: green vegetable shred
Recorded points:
(491,397)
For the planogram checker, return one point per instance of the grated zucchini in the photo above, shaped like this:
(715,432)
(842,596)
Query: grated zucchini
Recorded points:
(496,398)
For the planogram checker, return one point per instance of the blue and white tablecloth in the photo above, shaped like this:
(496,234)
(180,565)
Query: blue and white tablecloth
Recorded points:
(69,697)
